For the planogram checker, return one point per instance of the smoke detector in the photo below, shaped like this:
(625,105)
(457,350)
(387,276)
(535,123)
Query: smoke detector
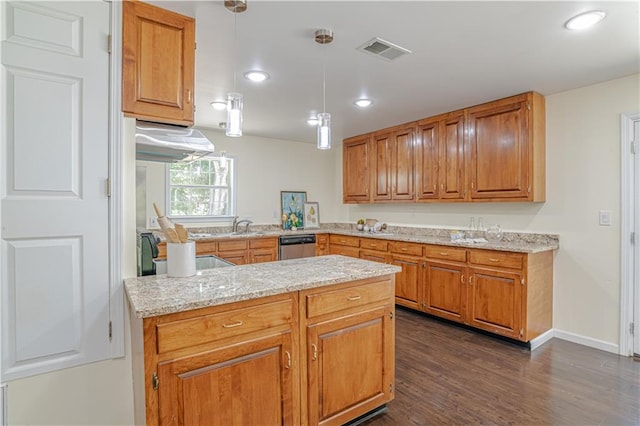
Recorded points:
(383,49)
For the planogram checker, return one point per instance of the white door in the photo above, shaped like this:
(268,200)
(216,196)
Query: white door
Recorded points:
(54,164)
(635,247)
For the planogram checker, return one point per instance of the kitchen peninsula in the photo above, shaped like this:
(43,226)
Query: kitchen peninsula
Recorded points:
(268,343)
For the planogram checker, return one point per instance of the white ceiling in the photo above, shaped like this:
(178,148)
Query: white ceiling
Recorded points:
(464,53)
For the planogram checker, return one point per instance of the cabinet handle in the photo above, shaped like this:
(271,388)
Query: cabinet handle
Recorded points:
(354,298)
(444,253)
(442,187)
(492,259)
(315,352)
(404,249)
(288,365)
(462,279)
(189,95)
(470,280)
(235,324)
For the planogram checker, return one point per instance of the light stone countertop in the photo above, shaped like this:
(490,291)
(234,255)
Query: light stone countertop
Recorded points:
(512,241)
(159,294)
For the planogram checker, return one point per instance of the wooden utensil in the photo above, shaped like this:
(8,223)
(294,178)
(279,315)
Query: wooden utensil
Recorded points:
(172,235)
(163,221)
(183,234)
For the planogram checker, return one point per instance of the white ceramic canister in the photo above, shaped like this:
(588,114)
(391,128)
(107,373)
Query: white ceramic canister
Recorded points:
(181,259)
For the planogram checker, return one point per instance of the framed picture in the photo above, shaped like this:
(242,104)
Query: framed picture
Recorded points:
(292,205)
(311,215)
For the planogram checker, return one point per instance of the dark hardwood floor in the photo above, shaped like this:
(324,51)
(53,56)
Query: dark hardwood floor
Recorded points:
(449,375)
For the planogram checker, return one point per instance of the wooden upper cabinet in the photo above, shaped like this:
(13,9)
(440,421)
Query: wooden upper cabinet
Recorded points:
(158,57)
(356,169)
(393,164)
(440,157)
(506,143)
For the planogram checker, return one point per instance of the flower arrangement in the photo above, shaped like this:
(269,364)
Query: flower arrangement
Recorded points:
(292,209)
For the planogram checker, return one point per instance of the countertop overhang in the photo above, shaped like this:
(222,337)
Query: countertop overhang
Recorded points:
(159,294)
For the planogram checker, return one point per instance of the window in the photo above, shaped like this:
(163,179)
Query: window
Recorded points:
(202,189)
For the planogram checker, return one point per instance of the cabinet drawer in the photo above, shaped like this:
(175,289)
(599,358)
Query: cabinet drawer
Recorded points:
(208,247)
(492,258)
(209,328)
(344,251)
(232,245)
(263,243)
(344,240)
(337,300)
(446,253)
(401,247)
(371,244)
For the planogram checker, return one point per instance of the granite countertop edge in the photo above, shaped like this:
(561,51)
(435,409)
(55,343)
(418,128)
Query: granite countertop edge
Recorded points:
(161,295)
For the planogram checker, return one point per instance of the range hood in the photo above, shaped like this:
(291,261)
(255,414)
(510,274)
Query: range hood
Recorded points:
(170,144)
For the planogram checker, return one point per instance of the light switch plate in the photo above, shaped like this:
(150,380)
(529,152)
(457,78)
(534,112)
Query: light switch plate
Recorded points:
(605,217)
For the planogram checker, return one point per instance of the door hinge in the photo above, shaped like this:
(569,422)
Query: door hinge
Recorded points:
(632,238)
(108,182)
(424,264)
(522,281)
(633,147)
(521,332)
(110,331)
(391,388)
(109,43)
(154,381)
(390,315)
(632,328)
(529,106)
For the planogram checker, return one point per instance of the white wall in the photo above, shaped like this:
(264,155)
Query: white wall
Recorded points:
(265,167)
(583,177)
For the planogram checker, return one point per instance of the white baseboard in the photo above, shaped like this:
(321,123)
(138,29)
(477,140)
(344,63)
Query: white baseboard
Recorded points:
(541,339)
(585,341)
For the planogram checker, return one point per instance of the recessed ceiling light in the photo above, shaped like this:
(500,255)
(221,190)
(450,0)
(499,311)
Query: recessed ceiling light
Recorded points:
(585,20)
(219,105)
(256,76)
(363,103)
(312,121)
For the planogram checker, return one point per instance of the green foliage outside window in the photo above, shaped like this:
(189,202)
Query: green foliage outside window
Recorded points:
(201,188)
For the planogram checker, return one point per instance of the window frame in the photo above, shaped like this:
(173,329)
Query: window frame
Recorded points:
(199,219)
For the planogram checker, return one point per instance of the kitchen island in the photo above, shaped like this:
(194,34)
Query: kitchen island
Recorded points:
(304,341)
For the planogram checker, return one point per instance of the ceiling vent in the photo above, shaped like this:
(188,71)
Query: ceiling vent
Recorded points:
(383,49)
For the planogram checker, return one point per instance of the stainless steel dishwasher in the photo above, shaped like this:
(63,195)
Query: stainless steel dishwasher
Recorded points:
(297,246)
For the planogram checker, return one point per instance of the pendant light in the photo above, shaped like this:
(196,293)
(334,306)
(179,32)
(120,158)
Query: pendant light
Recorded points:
(324,36)
(234,99)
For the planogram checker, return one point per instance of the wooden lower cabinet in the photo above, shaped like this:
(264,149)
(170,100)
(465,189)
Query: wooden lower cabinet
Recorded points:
(270,360)
(322,244)
(237,251)
(350,356)
(249,384)
(495,301)
(446,292)
(409,281)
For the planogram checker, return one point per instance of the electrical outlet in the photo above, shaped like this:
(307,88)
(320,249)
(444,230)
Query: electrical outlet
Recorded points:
(153,222)
(604,217)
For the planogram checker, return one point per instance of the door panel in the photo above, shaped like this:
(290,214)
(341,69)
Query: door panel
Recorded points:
(445,290)
(452,157)
(407,281)
(55,209)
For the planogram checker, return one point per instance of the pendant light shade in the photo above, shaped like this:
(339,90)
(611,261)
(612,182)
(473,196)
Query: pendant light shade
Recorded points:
(234,115)
(324,130)
(234,99)
(324,36)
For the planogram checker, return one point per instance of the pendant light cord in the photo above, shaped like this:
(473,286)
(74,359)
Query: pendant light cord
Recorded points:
(235,47)
(324,78)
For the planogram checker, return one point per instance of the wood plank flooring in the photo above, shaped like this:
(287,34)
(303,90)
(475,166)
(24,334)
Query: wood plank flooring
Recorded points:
(449,375)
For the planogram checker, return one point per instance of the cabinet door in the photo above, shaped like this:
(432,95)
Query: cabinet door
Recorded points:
(263,255)
(158,58)
(381,162)
(408,281)
(495,301)
(451,158)
(498,140)
(235,257)
(350,366)
(427,155)
(246,384)
(402,163)
(374,256)
(445,290)
(356,169)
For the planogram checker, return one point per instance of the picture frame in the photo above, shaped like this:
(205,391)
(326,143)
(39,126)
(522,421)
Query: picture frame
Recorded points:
(292,209)
(311,215)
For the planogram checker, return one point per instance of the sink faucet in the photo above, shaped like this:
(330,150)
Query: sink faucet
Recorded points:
(237,223)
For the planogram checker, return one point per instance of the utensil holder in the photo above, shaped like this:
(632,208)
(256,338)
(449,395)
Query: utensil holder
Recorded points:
(181,259)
